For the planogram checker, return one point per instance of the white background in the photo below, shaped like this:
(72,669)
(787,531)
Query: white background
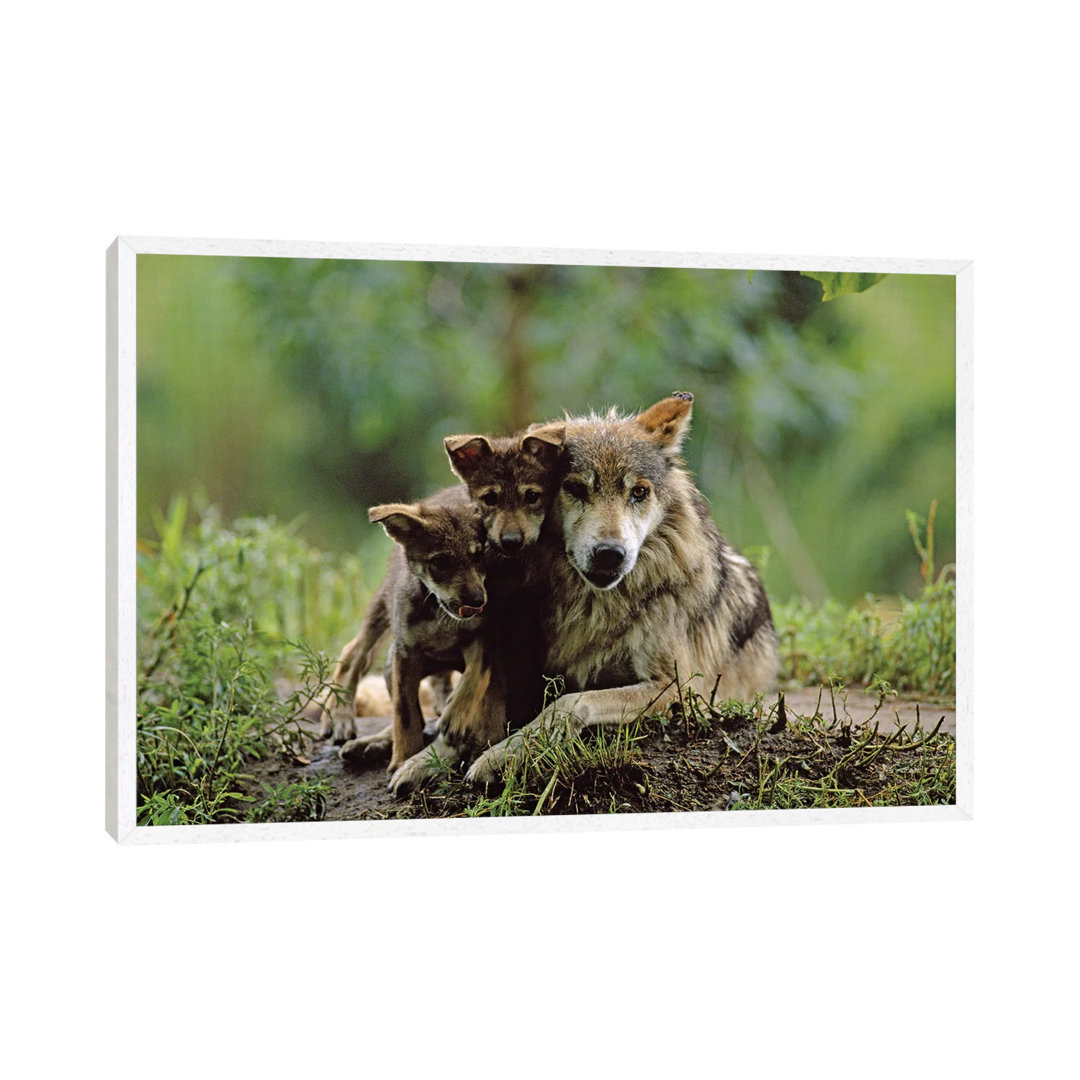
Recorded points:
(915,130)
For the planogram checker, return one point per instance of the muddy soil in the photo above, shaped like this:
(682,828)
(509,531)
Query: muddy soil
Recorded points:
(676,766)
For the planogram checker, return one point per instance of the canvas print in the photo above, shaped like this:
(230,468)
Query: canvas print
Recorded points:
(463,538)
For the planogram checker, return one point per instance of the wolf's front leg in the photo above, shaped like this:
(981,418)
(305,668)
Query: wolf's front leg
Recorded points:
(569,715)
(564,717)
(406,671)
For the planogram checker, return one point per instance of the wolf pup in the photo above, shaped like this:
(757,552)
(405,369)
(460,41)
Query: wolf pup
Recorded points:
(512,481)
(642,586)
(432,597)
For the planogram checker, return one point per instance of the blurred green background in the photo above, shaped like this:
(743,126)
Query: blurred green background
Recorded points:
(313,389)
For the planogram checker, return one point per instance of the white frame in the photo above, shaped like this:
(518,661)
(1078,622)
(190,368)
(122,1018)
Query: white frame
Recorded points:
(120,787)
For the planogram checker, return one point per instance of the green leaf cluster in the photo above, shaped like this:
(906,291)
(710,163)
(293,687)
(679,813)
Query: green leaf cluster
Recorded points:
(214,606)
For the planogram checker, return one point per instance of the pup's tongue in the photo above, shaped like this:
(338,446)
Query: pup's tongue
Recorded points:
(468,612)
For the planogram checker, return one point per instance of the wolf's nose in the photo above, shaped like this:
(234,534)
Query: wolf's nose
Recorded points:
(511,541)
(474,600)
(608,556)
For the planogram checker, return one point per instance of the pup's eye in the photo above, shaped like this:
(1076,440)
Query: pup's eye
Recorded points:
(532,497)
(440,564)
(638,493)
(490,498)
(575,489)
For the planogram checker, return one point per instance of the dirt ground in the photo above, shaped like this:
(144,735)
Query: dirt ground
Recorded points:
(675,767)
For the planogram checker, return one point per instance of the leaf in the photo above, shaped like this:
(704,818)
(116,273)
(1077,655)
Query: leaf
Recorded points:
(834,284)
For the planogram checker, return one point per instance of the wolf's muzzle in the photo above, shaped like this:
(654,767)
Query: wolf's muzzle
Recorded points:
(606,565)
(511,543)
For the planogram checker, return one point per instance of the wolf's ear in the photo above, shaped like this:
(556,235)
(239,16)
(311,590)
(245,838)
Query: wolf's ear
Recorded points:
(666,421)
(401,521)
(466,452)
(544,442)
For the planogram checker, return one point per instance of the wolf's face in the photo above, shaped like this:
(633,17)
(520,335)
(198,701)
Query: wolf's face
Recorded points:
(511,480)
(444,548)
(614,488)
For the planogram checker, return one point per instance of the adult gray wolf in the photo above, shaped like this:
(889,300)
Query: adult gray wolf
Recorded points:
(641,583)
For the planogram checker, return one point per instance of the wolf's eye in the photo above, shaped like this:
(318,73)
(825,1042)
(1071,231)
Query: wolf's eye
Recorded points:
(639,493)
(576,489)
(440,564)
(490,498)
(532,497)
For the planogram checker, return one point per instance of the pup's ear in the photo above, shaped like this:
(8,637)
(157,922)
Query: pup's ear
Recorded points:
(544,443)
(667,421)
(466,452)
(401,521)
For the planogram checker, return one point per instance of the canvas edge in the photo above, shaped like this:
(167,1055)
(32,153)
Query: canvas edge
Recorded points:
(309,249)
(120,557)
(120,517)
(965,533)
(586,823)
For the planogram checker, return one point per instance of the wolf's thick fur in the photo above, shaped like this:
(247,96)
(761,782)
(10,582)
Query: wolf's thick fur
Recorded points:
(432,599)
(642,585)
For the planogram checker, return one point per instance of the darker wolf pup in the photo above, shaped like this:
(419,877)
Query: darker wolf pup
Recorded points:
(512,480)
(432,599)
(642,585)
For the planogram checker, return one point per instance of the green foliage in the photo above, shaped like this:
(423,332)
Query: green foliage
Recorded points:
(915,649)
(208,700)
(291,387)
(301,801)
(262,570)
(386,348)
(836,284)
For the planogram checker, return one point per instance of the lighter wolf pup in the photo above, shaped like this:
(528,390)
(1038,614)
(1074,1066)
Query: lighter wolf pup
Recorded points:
(433,598)
(642,583)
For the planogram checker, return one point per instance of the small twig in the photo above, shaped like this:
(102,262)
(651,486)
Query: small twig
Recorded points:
(716,686)
(925,739)
(179,608)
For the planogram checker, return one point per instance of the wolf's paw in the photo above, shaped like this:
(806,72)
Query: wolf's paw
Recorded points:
(339,722)
(410,776)
(488,768)
(421,767)
(366,749)
(317,711)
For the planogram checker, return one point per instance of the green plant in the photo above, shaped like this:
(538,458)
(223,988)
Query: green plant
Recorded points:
(304,800)
(556,769)
(914,648)
(208,693)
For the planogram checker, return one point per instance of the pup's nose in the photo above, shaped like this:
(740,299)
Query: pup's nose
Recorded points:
(511,542)
(608,557)
(474,599)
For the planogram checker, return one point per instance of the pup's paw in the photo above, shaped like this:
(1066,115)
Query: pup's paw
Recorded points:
(343,724)
(366,749)
(318,712)
(408,777)
(421,767)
